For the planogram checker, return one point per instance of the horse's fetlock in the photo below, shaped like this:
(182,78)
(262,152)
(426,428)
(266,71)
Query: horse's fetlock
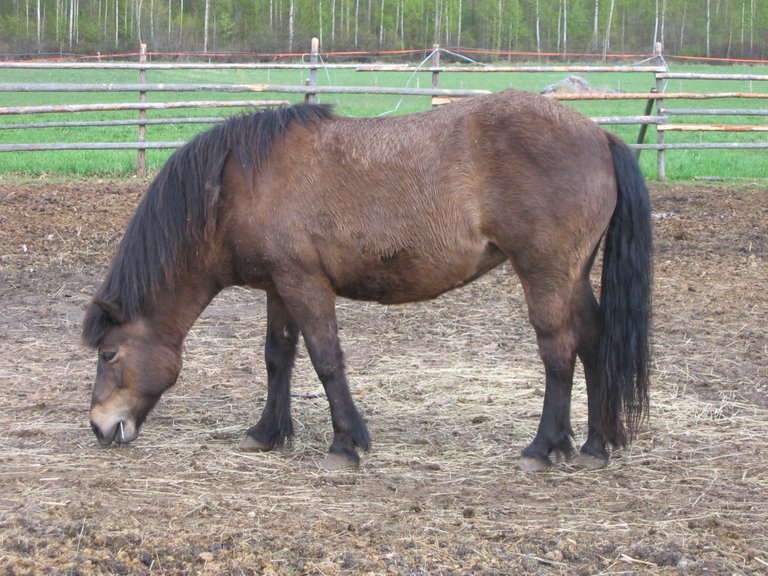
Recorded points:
(357,431)
(564,448)
(362,438)
(272,437)
(599,452)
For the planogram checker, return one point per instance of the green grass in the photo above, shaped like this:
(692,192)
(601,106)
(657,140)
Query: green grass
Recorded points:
(680,164)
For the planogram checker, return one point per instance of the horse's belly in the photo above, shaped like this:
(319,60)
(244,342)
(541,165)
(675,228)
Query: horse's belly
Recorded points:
(408,276)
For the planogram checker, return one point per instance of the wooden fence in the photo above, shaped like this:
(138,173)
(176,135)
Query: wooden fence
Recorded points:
(658,98)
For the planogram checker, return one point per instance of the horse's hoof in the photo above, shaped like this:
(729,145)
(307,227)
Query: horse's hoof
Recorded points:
(334,461)
(586,461)
(532,465)
(250,444)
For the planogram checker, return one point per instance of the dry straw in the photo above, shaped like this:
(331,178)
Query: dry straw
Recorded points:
(452,390)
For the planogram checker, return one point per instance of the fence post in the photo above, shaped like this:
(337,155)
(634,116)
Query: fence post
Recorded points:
(644,125)
(141,169)
(435,73)
(311,97)
(435,64)
(661,166)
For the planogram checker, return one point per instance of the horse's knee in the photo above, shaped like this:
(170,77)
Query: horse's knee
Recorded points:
(327,369)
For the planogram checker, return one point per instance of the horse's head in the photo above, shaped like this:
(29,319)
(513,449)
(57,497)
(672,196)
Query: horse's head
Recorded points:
(136,365)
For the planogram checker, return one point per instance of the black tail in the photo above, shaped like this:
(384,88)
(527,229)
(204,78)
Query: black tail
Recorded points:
(625,301)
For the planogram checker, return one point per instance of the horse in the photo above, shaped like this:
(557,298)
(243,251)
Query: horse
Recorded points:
(308,206)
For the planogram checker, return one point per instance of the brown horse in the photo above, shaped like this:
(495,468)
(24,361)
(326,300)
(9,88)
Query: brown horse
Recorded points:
(309,206)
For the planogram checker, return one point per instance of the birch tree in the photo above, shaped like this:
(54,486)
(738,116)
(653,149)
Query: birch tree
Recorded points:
(73,14)
(181,23)
(562,27)
(137,15)
(333,22)
(659,23)
(357,22)
(381,25)
(709,21)
(458,24)
(607,43)
(538,27)
(291,23)
(691,27)
(39,28)
(206,18)
(596,26)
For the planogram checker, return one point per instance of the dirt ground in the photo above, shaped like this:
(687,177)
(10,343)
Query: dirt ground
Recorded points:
(451,389)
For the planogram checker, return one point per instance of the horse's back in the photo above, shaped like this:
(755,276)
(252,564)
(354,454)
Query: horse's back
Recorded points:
(516,155)
(405,208)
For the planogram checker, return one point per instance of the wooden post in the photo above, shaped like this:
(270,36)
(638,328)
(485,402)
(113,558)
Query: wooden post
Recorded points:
(661,159)
(311,97)
(644,126)
(435,73)
(435,64)
(141,165)
(661,166)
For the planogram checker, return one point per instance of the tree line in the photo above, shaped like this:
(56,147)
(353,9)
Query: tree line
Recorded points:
(714,28)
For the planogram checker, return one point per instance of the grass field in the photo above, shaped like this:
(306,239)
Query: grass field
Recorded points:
(681,165)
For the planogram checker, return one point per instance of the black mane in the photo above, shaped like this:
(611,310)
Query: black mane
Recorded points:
(179,213)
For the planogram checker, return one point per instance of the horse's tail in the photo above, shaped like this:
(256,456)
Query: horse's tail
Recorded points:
(625,302)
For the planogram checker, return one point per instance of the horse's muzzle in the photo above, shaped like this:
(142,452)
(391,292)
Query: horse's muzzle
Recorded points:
(121,433)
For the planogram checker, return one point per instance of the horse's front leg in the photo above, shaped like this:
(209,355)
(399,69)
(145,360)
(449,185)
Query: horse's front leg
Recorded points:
(275,426)
(312,302)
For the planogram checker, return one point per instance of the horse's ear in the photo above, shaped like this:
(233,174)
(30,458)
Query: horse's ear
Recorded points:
(111,310)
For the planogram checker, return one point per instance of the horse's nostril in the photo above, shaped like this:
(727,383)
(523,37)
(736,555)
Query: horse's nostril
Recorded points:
(97,430)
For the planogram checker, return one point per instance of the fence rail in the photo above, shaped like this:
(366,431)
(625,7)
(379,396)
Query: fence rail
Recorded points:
(664,118)
(64,108)
(100,123)
(509,69)
(238,88)
(89,146)
(712,128)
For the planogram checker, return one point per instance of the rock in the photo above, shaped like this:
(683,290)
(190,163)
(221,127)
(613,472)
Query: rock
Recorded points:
(574,85)
(205,557)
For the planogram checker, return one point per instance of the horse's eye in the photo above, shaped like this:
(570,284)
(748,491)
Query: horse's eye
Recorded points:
(107,356)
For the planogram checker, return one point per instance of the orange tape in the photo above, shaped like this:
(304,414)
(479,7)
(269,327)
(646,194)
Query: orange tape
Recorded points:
(282,55)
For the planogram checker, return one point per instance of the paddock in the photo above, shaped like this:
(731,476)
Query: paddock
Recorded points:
(451,390)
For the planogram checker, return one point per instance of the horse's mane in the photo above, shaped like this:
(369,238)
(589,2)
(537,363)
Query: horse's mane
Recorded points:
(179,213)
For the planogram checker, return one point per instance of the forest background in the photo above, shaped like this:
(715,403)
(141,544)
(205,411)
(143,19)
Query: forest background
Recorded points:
(567,28)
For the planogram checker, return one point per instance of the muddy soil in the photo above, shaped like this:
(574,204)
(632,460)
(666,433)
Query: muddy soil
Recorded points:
(451,390)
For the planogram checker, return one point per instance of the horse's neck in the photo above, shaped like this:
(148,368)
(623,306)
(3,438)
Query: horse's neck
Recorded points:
(177,309)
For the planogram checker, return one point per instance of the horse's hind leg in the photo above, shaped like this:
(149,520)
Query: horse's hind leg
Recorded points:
(275,425)
(593,453)
(551,316)
(566,327)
